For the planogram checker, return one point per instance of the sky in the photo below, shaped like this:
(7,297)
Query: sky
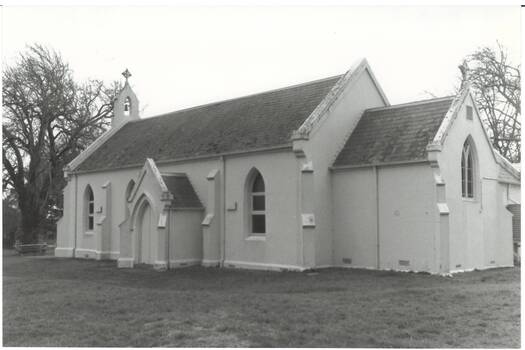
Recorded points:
(182,56)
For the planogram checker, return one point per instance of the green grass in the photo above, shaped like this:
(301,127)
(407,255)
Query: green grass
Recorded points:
(66,302)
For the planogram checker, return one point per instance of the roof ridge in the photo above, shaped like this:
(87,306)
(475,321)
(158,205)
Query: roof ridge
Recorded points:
(258,122)
(413,103)
(237,98)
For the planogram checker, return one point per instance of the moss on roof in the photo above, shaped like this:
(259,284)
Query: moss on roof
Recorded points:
(256,121)
(394,134)
(184,195)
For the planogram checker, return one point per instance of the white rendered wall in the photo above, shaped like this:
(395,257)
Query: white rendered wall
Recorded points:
(514,193)
(185,237)
(404,212)
(326,140)
(66,225)
(480,228)
(86,242)
(408,218)
(119,179)
(279,247)
(355,218)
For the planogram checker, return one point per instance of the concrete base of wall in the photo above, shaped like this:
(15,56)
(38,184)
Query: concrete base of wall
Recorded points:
(87,254)
(109,255)
(184,263)
(262,266)
(210,263)
(95,254)
(479,268)
(64,252)
(386,269)
(415,271)
(125,263)
(160,265)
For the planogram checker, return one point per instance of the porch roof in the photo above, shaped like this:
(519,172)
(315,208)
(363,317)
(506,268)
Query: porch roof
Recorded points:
(184,195)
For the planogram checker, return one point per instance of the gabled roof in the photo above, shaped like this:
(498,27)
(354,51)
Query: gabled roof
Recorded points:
(509,173)
(346,81)
(176,188)
(252,122)
(449,119)
(398,133)
(507,177)
(184,196)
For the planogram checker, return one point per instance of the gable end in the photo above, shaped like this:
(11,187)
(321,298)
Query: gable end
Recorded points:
(349,78)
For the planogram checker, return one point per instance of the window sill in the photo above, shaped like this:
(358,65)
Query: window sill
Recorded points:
(89,233)
(256,238)
(471,200)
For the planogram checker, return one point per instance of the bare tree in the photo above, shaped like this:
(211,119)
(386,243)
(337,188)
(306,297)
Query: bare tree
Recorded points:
(496,84)
(48,120)
(10,219)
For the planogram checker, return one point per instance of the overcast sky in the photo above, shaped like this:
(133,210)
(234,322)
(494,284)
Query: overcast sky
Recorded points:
(185,56)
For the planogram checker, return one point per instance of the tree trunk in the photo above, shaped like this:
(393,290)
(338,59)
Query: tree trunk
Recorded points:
(29,228)
(30,219)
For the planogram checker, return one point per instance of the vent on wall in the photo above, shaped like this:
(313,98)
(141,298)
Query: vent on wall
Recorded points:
(347,260)
(404,262)
(458,265)
(469,113)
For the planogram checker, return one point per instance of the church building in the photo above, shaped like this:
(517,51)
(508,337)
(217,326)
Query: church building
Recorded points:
(321,174)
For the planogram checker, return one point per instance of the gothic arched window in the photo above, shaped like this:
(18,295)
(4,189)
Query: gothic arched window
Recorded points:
(257,203)
(89,200)
(467,170)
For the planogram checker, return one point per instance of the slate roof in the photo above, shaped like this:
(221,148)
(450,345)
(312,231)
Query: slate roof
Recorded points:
(394,134)
(251,122)
(180,187)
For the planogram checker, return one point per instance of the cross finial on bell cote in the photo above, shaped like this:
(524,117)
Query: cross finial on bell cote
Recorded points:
(126,74)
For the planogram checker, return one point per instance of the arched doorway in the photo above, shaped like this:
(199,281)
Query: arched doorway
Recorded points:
(144,231)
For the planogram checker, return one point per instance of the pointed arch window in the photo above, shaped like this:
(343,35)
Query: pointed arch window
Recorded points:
(257,201)
(127,106)
(90,209)
(129,189)
(467,170)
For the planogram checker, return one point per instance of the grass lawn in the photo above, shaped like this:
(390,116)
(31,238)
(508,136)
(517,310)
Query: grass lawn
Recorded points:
(66,302)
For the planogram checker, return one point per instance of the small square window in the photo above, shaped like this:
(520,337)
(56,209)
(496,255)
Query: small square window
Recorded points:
(469,113)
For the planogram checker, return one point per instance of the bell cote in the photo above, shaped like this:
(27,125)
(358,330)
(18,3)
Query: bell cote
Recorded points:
(126,104)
